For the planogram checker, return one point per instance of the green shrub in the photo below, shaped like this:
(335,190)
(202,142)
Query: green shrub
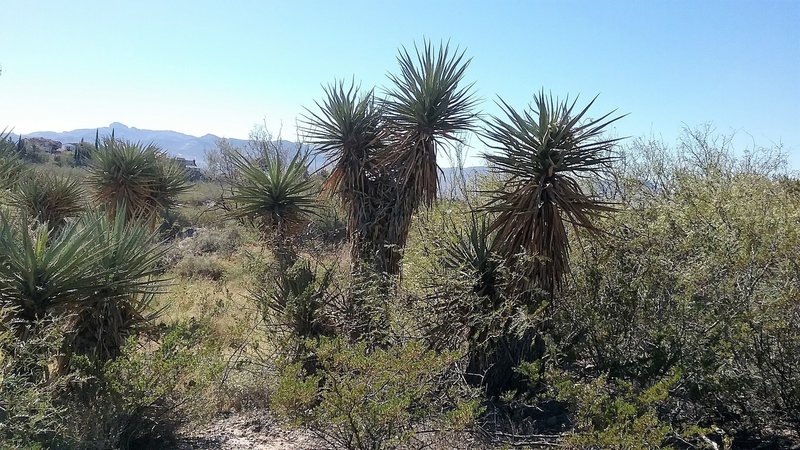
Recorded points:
(614,414)
(693,277)
(65,159)
(220,241)
(362,399)
(193,266)
(143,396)
(329,224)
(30,415)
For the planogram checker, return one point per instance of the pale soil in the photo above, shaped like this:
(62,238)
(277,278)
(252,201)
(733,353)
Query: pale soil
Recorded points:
(259,431)
(245,431)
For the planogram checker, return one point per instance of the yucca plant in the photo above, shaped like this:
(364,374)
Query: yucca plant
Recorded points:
(496,340)
(11,166)
(295,305)
(545,153)
(99,272)
(427,109)
(297,299)
(279,198)
(141,178)
(384,151)
(347,132)
(128,280)
(470,248)
(49,198)
(40,271)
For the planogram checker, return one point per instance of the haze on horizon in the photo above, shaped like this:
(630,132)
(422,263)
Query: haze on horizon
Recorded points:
(201,67)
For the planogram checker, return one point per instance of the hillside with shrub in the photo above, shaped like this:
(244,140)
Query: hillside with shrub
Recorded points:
(584,292)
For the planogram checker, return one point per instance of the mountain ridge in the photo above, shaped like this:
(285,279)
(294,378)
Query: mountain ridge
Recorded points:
(173,142)
(188,146)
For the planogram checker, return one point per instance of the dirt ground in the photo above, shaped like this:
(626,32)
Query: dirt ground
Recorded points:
(245,431)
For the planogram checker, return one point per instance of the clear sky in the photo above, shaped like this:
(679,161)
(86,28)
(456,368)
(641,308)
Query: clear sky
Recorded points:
(222,66)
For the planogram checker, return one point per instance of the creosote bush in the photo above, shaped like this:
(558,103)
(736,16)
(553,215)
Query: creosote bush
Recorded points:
(373,399)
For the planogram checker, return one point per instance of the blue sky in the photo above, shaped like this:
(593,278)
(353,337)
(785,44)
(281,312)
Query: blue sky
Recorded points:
(221,67)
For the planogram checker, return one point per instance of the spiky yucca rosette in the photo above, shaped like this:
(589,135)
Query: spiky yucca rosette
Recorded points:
(545,153)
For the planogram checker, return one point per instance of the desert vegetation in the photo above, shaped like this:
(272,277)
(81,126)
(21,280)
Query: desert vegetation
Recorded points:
(585,291)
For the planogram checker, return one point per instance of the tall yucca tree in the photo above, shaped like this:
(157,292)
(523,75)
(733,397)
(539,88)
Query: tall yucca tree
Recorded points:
(49,198)
(140,178)
(384,151)
(546,152)
(427,107)
(347,132)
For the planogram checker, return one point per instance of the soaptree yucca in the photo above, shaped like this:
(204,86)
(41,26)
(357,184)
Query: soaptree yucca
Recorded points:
(549,154)
(427,107)
(141,178)
(11,166)
(98,272)
(347,131)
(279,198)
(383,151)
(49,198)
(42,270)
(128,274)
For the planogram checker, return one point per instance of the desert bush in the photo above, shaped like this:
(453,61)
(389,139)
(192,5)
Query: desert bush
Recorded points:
(193,266)
(329,225)
(172,223)
(35,155)
(30,415)
(141,398)
(614,414)
(362,399)
(692,278)
(222,242)
(205,242)
(65,159)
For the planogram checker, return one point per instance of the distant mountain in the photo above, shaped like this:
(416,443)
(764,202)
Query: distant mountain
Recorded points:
(188,146)
(173,142)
